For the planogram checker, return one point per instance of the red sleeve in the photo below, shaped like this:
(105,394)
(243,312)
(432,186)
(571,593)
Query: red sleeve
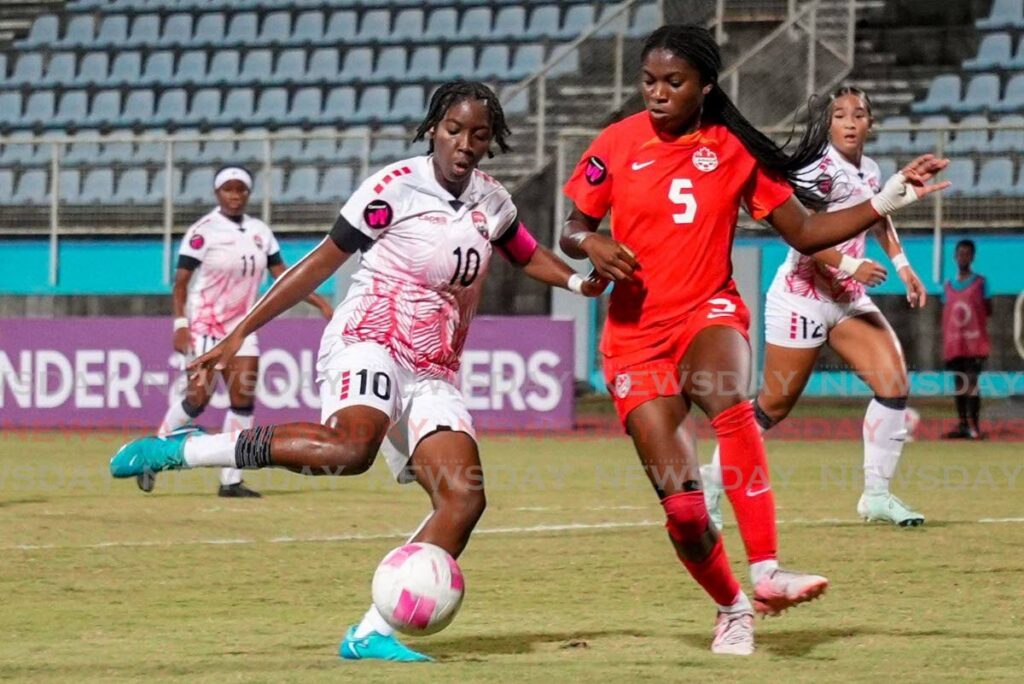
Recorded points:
(765,192)
(590,187)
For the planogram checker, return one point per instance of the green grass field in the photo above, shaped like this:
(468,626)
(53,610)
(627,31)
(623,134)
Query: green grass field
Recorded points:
(569,577)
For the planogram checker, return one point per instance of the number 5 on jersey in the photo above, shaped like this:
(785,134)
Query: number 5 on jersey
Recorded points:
(379,384)
(677,194)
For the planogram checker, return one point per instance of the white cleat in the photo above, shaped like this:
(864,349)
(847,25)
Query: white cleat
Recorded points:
(712,494)
(734,634)
(781,589)
(887,508)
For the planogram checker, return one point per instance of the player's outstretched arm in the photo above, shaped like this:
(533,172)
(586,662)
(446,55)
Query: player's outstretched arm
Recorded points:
(889,240)
(580,240)
(325,308)
(545,266)
(294,285)
(810,233)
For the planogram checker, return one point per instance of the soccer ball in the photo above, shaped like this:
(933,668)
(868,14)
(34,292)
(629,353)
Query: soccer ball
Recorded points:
(418,588)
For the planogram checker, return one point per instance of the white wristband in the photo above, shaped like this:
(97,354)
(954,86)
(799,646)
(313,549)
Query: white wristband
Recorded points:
(180,323)
(575,283)
(895,194)
(849,264)
(900,261)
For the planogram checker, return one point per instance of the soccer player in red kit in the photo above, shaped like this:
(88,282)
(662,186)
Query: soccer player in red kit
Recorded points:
(674,178)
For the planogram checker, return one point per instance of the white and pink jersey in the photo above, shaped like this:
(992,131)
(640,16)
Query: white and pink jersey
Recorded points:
(422,272)
(843,185)
(230,259)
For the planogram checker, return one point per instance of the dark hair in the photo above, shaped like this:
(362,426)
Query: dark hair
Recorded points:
(845,90)
(966,242)
(696,45)
(454,92)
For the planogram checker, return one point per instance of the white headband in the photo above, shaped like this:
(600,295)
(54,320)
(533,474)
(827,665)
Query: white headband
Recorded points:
(232,173)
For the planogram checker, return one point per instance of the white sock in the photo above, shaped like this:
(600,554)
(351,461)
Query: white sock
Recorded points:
(762,568)
(885,431)
(234,422)
(211,450)
(173,419)
(740,605)
(373,621)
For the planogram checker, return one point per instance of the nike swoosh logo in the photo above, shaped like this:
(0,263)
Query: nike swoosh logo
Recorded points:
(641,165)
(758,492)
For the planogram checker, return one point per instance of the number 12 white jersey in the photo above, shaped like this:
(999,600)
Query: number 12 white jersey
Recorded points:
(423,265)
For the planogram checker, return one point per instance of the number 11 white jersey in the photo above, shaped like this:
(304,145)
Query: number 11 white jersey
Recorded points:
(422,272)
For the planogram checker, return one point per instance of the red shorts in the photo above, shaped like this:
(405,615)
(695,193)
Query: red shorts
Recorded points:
(652,371)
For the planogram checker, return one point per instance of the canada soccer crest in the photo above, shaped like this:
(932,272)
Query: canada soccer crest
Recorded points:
(480,223)
(705,160)
(623,383)
(259,241)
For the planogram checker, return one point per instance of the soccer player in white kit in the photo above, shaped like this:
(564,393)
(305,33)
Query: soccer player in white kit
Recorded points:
(224,257)
(821,299)
(425,229)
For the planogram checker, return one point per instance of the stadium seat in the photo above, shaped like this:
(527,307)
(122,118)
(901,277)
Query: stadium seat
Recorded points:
(494,62)
(408,26)
(97,187)
(566,64)
(43,34)
(303,185)
(80,154)
(1013,99)
(157,186)
(32,189)
(306,106)
(408,103)
(967,141)
(324,148)
(125,70)
(309,28)
(113,32)
(375,26)
(271,107)
(476,24)
(886,167)
(374,105)
(6,185)
(39,108)
(138,109)
(223,68)
(341,28)
(20,150)
(1018,58)
(10,108)
(645,20)
(145,31)
(289,149)
(994,179)
(188,148)
(241,30)
(256,66)
(276,29)
(509,23)
(93,69)
(892,141)
(578,19)
(71,110)
(69,182)
(79,32)
(994,52)
(1004,14)
(131,187)
(352,147)
(336,185)
(192,68)
(927,140)
(358,65)
(544,22)
(1009,140)
(117,152)
(323,66)
(391,64)
(238,107)
(442,24)
(340,104)
(159,68)
(60,70)
(390,144)
(209,30)
(198,187)
(424,64)
(170,110)
(460,62)
(28,70)
(205,107)
(517,104)
(250,151)
(982,94)
(177,30)
(220,150)
(291,66)
(943,93)
(105,109)
(960,173)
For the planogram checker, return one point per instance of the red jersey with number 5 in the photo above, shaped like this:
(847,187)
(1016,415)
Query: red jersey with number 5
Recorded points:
(675,204)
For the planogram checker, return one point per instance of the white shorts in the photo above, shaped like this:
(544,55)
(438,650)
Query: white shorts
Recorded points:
(797,322)
(365,374)
(204,343)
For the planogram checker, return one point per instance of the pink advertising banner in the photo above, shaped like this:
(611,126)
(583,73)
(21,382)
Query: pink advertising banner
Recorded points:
(517,373)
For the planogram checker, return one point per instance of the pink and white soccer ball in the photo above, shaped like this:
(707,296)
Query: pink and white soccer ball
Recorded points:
(418,588)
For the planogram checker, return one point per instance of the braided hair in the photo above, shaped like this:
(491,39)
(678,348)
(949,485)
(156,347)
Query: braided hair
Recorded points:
(453,92)
(696,45)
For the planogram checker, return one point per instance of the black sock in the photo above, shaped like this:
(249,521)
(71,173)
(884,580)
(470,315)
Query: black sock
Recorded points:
(974,408)
(961,409)
(252,450)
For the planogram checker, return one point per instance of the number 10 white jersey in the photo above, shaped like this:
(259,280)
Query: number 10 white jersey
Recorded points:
(420,277)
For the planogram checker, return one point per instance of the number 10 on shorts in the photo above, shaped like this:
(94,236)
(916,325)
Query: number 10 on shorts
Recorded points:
(379,384)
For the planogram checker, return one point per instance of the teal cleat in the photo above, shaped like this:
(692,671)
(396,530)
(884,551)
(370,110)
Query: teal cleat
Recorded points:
(378,647)
(712,494)
(152,454)
(884,507)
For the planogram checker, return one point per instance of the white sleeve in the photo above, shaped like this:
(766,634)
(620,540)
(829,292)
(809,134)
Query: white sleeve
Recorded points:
(196,240)
(272,246)
(506,216)
(374,206)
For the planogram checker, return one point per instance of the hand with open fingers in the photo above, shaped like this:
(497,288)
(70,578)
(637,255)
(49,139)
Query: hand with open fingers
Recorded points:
(594,285)
(871,273)
(910,184)
(612,259)
(916,294)
(219,357)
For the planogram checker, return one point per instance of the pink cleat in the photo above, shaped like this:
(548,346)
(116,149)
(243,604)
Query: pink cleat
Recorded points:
(734,634)
(781,589)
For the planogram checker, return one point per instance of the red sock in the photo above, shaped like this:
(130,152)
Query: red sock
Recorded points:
(746,480)
(687,521)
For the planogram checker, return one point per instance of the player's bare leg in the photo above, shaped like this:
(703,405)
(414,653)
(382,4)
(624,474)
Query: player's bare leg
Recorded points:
(871,347)
(241,377)
(670,461)
(447,466)
(716,375)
